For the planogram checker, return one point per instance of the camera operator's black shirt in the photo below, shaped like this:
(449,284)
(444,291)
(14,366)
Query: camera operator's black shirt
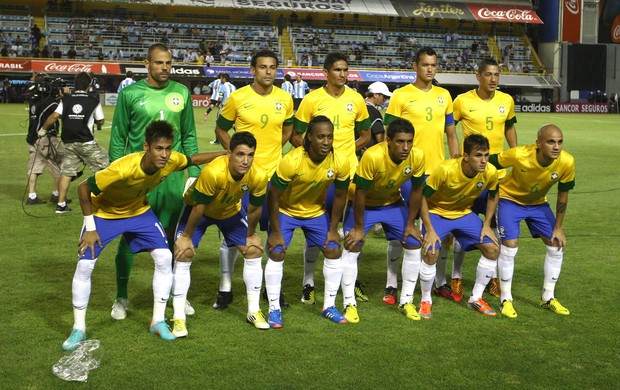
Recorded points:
(39,111)
(76,112)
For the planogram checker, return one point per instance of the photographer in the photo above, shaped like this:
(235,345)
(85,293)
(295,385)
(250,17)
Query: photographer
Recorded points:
(42,98)
(79,112)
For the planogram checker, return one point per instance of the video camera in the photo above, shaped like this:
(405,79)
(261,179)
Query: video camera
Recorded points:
(45,87)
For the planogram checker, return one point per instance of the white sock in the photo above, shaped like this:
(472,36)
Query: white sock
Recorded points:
(332,273)
(273,282)
(427,275)
(499,239)
(253,279)
(55,193)
(180,286)
(457,262)
(553,266)
(484,273)
(311,255)
(440,266)
(349,276)
(62,204)
(80,290)
(162,282)
(228,257)
(506,267)
(33,195)
(410,271)
(394,252)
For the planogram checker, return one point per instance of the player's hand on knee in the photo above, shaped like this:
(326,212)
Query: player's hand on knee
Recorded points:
(253,241)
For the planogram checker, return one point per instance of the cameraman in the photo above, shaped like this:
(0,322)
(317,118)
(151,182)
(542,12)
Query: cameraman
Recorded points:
(42,101)
(79,112)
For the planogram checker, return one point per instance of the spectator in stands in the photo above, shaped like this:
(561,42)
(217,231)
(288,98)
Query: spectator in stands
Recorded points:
(71,53)
(280,22)
(474,47)
(209,59)
(293,18)
(57,53)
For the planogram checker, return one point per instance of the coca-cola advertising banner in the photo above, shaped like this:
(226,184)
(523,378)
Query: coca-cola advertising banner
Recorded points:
(582,108)
(504,13)
(76,67)
(609,21)
(571,20)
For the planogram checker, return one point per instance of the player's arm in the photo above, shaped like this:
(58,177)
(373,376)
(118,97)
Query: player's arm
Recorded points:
(90,236)
(510,132)
(189,142)
(287,133)
(356,235)
(453,141)
(340,200)
(120,127)
(492,202)
(184,240)
(557,237)
(431,239)
(362,125)
(363,139)
(415,205)
(225,122)
(299,128)
(275,238)
(255,209)
(49,123)
(205,157)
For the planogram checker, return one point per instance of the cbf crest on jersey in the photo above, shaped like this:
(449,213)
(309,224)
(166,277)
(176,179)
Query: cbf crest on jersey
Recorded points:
(407,170)
(245,188)
(440,99)
(174,102)
(502,109)
(479,184)
(554,176)
(349,106)
(330,173)
(278,106)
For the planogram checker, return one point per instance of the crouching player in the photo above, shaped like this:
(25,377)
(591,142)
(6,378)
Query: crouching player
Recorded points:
(450,192)
(382,171)
(215,199)
(297,200)
(535,169)
(114,202)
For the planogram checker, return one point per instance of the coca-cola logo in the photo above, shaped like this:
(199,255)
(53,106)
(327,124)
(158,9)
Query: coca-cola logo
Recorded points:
(572,6)
(615,30)
(70,68)
(514,14)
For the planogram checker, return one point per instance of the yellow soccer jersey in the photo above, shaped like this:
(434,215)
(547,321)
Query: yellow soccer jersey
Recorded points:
(119,191)
(487,118)
(430,112)
(216,188)
(450,194)
(305,183)
(382,178)
(528,182)
(262,116)
(347,112)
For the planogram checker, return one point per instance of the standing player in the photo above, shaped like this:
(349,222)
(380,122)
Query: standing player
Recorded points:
(127,81)
(489,112)
(382,171)
(429,108)
(114,202)
(300,89)
(266,112)
(287,85)
(297,200)
(449,194)
(154,98)
(347,111)
(215,93)
(535,169)
(215,199)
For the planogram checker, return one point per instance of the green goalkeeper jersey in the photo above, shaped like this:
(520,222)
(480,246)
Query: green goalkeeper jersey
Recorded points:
(139,104)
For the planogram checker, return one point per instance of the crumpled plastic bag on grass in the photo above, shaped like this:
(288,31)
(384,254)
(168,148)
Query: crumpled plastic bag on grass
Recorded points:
(75,366)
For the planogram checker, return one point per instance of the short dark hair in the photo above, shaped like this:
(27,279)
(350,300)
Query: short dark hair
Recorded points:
(313,122)
(263,53)
(333,57)
(400,125)
(287,77)
(157,130)
(156,46)
(225,76)
(482,65)
(129,74)
(82,81)
(242,138)
(426,50)
(475,141)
